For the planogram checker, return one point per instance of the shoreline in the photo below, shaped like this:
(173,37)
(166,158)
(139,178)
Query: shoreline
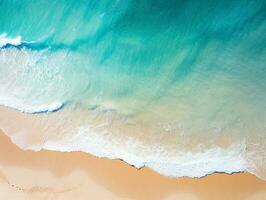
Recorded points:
(28,132)
(68,175)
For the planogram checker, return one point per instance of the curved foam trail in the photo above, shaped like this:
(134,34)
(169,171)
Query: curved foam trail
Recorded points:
(165,162)
(178,86)
(34,109)
(174,162)
(4,40)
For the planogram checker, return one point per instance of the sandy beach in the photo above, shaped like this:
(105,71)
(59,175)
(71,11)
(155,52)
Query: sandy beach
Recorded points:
(56,175)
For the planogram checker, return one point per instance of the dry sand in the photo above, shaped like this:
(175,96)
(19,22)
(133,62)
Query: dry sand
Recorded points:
(79,176)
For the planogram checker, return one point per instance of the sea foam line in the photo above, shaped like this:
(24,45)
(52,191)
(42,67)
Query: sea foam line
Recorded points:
(183,164)
(38,109)
(4,40)
(187,164)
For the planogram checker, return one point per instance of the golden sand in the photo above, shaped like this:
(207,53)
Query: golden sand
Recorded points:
(55,175)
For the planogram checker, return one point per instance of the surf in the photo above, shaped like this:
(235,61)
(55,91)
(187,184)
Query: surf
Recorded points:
(177,86)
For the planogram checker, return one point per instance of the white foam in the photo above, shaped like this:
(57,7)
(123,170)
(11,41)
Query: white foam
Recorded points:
(175,164)
(36,81)
(52,107)
(4,40)
(15,65)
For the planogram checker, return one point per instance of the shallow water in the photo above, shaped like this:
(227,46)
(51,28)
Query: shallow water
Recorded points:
(179,86)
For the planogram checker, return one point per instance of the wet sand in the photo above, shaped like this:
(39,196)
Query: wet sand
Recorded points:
(57,175)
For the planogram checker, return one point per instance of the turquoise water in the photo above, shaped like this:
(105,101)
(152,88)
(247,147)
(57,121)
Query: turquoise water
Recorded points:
(188,77)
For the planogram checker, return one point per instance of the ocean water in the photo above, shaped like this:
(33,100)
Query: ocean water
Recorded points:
(177,86)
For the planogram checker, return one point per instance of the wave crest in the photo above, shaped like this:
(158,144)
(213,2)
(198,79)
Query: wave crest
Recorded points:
(5,40)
